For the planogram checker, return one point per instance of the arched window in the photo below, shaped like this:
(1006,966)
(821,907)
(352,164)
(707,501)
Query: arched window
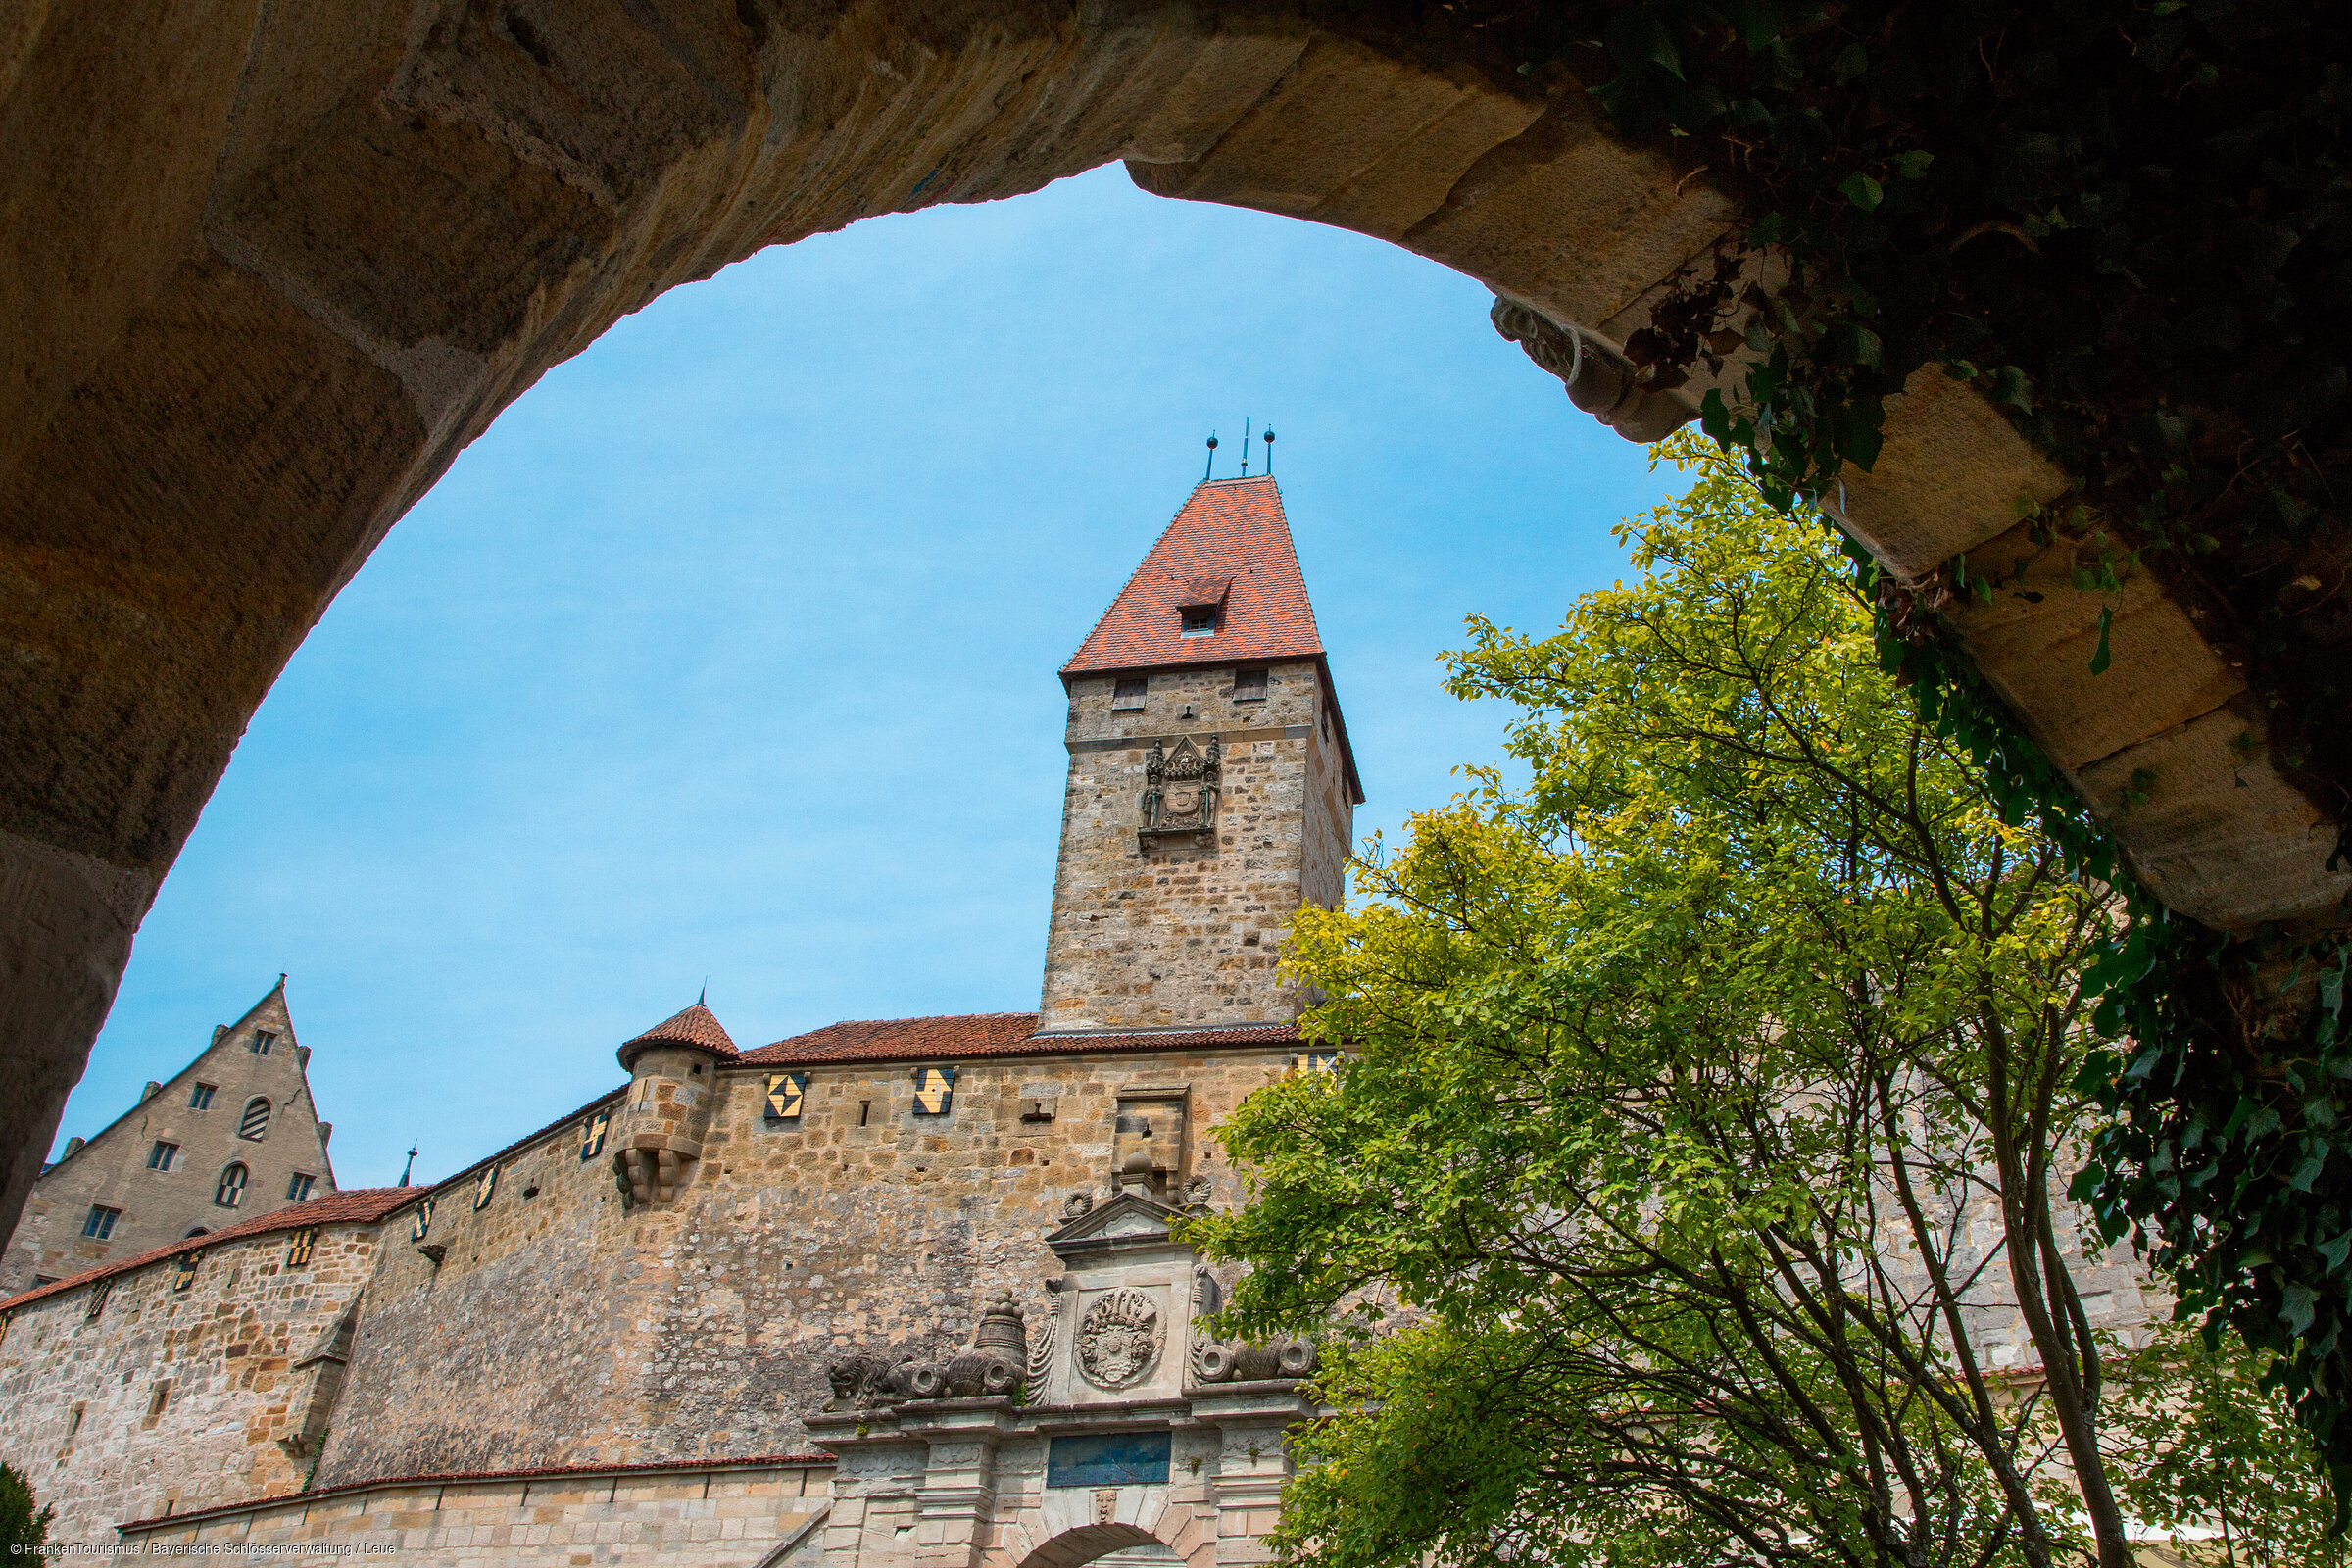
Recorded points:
(255,1123)
(196,1231)
(231,1190)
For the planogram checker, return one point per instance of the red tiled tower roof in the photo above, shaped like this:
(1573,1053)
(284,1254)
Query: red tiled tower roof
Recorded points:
(695,1027)
(1231,545)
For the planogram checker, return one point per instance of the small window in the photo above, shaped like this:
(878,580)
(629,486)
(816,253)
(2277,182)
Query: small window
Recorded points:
(1130,693)
(263,1039)
(98,1294)
(306,1242)
(163,1156)
(158,1399)
(299,1188)
(423,1224)
(483,1185)
(200,1097)
(101,1223)
(592,1134)
(1249,685)
(195,1231)
(231,1189)
(255,1123)
(1199,620)
(183,1272)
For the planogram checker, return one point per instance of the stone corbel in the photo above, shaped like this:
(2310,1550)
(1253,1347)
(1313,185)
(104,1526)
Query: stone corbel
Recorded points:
(652,1170)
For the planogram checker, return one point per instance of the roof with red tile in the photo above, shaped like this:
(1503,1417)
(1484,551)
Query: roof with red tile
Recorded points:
(697,1026)
(361,1205)
(965,1036)
(1229,544)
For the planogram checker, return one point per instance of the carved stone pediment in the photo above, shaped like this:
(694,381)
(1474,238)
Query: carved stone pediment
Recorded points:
(1131,1218)
(1179,790)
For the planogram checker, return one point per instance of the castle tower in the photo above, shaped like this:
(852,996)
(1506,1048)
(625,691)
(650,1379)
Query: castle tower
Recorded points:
(1211,786)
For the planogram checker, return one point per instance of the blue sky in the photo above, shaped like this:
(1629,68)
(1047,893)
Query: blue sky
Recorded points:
(729,652)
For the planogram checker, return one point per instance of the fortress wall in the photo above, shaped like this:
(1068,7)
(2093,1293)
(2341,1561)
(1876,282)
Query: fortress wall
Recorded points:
(78,1395)
(565,1328)
(1179,934)
(770,1515)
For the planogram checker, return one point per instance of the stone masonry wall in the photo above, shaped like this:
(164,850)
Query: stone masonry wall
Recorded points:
(81,1414)
(160,1207)
(565,1327)
(1187,934)
(748,1516)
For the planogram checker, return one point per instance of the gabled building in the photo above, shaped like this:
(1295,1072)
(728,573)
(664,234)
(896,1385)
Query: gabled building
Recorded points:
(228,1138)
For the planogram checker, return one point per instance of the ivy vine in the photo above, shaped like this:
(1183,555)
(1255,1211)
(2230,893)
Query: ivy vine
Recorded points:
(2129,222)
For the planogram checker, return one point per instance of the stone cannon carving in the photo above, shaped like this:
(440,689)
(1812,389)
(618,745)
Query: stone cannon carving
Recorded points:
(1223,1361)
(995,1363)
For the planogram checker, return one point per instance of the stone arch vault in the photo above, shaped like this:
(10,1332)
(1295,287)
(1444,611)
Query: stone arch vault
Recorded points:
(268,267)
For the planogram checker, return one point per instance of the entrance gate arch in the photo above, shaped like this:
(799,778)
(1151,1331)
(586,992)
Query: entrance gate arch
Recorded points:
(1127,1432)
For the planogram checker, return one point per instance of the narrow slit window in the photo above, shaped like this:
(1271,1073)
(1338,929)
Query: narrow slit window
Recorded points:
(255,1123)
(229,1191)
(101,1222)
(163,1156)
(159,1399)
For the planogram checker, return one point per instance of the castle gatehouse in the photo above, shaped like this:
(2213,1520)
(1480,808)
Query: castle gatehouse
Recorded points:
(886,1294)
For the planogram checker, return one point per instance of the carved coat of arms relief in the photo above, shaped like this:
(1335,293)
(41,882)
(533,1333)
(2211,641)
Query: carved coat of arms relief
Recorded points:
(1119,1339)
(1181,788)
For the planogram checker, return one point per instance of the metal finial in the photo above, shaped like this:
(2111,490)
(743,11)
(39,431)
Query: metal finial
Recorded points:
(703,994)
(1246,448)
(1269,452)
(1209,472)
(409,1166)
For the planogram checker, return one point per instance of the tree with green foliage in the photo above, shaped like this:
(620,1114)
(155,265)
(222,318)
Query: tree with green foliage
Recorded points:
(1708,1096)
(2196,1442)
(22,1528)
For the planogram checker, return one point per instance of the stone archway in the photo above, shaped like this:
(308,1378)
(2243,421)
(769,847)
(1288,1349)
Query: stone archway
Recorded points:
(271,266)
(1186,1535)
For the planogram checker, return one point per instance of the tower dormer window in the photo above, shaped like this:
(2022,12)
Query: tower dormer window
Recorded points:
(1201,603)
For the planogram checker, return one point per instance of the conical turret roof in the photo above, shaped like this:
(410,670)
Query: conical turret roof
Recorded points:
(696,1027)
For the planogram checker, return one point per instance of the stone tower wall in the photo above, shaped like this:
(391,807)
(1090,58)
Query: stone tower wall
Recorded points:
(565,1324)
(161,1207)
(1182,933)
(79,1400)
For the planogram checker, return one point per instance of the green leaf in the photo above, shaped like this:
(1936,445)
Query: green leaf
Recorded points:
(1913,164)
(1852,61)
(1862,190)
(2099,657)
